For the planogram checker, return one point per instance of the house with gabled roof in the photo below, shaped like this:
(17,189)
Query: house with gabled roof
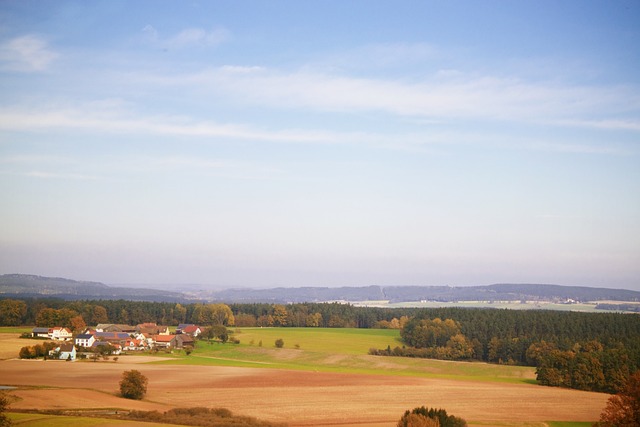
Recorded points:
(135,344)
(60,334)
(164,341)
(85,340)
(152,329)
(193,330)
(66,351)
(185,341)
(112,337)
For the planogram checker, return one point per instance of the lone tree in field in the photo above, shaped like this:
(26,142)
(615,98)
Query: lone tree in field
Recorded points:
(623,409)
(133,385)
(279,343)
(430,417)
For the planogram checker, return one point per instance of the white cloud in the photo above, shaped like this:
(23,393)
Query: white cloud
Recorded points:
(187,37)
(27,53)
(198,36)
(125,122)
(442,96)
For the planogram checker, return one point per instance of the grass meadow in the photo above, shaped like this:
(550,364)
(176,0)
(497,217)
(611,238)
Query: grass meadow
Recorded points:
(338,350)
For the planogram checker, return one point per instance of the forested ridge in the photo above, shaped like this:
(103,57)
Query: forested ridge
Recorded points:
(590,351)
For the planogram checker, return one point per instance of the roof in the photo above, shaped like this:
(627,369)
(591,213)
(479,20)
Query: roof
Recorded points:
(190,328)
(40,330)
(113,335)
(184,325)
(164,338)
(84,336)
(67,347)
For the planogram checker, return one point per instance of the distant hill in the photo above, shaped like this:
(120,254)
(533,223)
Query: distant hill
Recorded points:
(24,285)
(394,294)
(21,285)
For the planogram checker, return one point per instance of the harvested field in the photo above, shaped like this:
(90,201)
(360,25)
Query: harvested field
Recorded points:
(10,344)
(300,398)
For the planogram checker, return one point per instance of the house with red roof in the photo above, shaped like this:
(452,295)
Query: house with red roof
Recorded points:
(164,341)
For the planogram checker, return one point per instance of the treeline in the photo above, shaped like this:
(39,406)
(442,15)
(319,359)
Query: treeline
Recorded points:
(588,351)
(75,314)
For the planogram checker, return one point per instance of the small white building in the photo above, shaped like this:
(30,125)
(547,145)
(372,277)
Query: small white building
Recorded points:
(60,334)
(66,351)
(85,340)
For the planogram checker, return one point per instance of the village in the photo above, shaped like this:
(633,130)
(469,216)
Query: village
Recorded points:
(114,339)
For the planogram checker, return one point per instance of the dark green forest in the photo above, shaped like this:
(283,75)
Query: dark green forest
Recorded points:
(588,351)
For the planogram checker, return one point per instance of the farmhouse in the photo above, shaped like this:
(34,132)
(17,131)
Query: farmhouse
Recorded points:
(193,330)
(56,333)
(136,344)
(113,337)
(66,351)
(60,334)
(164,341)
(152,329)
(85,340)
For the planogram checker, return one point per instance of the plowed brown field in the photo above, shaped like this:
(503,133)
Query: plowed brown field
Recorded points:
(299,398)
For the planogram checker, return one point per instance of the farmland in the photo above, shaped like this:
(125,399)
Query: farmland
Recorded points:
(320,377)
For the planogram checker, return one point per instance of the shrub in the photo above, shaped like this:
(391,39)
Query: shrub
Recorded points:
(4,403)
(133,385)
(279,343)
(416,418)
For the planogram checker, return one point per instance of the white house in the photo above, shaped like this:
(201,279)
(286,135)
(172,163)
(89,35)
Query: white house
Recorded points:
(85,340)
(60,334)
(66,351)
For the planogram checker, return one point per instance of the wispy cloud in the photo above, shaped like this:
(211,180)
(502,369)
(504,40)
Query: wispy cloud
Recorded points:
(74,119)
(28,53)
(441,96)
(187,37)
(429,139)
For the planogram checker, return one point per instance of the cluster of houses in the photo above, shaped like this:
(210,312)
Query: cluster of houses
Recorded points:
(144,336)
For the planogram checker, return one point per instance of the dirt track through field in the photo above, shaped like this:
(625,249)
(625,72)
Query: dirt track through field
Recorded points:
(296,397)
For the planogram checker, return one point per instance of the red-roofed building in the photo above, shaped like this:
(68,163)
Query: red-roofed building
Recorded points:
(164,341)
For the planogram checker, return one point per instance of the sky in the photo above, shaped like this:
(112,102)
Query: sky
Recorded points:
(334,143)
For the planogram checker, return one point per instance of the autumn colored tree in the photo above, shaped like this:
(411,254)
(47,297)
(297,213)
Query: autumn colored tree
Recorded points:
(133,385)
(99,315)
(12,312)
(280,315)
(417,420)
(313,320)
(50,317)
(78,324)
(623,409)
(213,314)
(430,417)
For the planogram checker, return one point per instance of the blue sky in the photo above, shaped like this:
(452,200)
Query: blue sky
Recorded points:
(328,143)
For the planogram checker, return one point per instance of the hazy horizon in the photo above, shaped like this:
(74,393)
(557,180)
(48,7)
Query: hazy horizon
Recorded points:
(266,144)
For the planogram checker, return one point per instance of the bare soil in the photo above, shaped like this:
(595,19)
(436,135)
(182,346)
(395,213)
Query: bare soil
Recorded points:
(300,398)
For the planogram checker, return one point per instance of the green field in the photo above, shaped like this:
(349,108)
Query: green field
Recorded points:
(338,350)
(15,329)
